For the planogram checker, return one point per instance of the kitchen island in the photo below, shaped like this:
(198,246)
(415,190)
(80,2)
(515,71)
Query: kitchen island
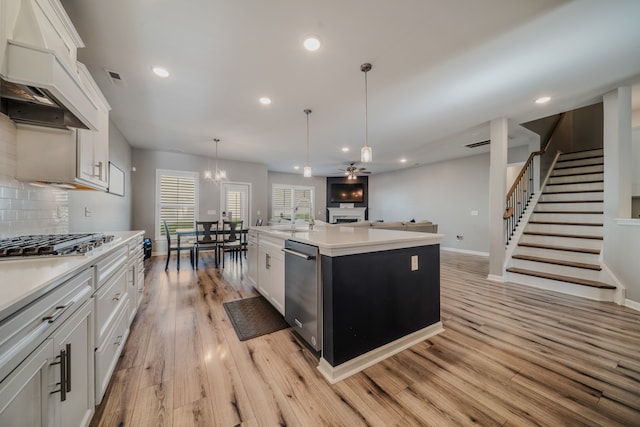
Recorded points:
(379,292)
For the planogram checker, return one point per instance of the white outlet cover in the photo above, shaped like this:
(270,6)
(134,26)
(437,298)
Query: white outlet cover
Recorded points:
(474,213)
(414,262)
(211,212)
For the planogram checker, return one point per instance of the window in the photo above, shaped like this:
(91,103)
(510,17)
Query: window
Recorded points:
(291,201)
(177,195)
(235,199)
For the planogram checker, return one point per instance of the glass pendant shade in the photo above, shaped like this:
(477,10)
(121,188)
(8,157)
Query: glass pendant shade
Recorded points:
(307,168)
(366,154)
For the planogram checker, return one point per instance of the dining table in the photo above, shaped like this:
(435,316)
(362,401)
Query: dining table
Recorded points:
(188,232)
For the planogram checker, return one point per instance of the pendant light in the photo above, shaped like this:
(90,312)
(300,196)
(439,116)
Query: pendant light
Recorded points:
(366,154)
(307,167)
(220,175)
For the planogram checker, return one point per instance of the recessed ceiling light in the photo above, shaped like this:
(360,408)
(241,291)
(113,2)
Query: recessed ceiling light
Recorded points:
(403,160)
(296,167)
(345,149)
(311,43)
(161,72)
(543,100)
(265,101)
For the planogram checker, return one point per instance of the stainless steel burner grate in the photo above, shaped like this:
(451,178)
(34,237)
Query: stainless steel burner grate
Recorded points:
(52,244)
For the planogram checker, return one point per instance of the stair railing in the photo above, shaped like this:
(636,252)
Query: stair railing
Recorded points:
(522,190)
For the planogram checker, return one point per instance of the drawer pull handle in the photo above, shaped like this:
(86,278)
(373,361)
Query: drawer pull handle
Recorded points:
(64,373)
(118,340)
(117,296)
(58,312)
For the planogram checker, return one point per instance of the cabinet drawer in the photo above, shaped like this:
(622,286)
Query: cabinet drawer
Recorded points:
(107,266)
(107,354)
(109,300)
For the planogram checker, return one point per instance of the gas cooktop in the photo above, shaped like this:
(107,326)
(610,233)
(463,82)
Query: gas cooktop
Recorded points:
(52,244)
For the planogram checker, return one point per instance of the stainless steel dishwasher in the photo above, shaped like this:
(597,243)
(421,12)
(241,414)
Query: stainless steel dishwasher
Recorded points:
(302,291)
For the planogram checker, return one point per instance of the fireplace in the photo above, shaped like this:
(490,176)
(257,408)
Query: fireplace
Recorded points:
(339,215)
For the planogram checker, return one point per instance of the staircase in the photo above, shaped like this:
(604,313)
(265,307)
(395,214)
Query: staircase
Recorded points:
(560,246)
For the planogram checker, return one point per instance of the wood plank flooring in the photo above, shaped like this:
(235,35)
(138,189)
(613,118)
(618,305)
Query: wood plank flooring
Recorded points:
(510,356)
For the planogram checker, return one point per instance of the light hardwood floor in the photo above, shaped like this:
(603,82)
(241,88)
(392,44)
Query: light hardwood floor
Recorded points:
(510,355)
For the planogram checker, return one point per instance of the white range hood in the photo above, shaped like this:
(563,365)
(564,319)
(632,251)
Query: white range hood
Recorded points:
(40,62)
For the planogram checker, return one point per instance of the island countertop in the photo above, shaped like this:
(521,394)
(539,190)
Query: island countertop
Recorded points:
(334,240)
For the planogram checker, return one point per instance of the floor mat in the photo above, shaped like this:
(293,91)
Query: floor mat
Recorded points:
(253,317)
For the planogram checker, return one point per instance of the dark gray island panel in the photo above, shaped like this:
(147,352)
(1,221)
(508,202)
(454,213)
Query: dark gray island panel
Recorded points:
(375,298)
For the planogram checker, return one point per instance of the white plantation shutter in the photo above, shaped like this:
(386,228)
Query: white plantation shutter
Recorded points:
(177,200)
(285,198)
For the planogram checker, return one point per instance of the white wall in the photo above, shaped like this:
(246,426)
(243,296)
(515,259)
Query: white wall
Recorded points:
(147,162)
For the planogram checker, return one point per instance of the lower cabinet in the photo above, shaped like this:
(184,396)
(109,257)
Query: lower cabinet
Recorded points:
(271,271)
(252,257)
(54,385)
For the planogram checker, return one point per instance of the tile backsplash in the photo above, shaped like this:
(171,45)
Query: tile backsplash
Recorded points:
(25,209)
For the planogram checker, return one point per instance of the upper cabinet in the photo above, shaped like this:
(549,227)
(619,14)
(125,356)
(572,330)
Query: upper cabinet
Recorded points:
(67,112)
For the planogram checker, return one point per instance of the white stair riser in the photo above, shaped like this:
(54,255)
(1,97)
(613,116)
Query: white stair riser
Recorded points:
(567,217)
(574,230)
(569,207)
(559,255)
(582,154)
(576,178)
(566,288)
(578,170)
(564,163)
(579,273)
(591,186)
(572,197)
(569,242)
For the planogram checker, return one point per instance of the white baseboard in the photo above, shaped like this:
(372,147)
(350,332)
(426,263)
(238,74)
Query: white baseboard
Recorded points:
(334,374)
(496,278)
(632,304)
(464,251)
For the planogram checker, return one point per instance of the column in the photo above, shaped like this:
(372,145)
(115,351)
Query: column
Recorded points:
(497,193)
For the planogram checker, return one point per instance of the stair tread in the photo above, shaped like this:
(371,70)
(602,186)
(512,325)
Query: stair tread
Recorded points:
(587,165)
(575,174)
(571,201)
(599,181)
(595,156)
(570,212)
(573,236)
(588,224)
(559,262)
(573,191)
(561,278)
(560,248)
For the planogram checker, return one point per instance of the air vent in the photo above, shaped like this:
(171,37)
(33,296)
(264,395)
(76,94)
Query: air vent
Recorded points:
(479,144)
(115,77)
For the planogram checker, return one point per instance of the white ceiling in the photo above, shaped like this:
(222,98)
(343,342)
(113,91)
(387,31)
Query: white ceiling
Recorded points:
(441,71)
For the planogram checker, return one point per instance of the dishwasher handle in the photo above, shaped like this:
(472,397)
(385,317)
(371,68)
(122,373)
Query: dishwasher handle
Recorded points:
(298,254)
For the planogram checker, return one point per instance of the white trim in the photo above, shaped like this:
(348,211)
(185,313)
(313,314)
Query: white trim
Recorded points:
(628,221)
(495,278)
(632,304)
(334,374)
(223,200)
(464,251)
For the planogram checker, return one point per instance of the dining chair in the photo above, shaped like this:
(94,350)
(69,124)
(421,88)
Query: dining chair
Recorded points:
(174,248)
(233,242)
(206,239)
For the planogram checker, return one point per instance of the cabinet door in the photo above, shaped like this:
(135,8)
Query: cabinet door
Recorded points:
(73,345)
(25,399)
(252,263)
(277,281)
(264,272)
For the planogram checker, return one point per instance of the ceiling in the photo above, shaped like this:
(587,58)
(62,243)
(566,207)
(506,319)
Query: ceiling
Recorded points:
(441,72)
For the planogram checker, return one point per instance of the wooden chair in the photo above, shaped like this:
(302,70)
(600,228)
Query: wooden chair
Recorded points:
(173,248)
(233,239)
(206,239)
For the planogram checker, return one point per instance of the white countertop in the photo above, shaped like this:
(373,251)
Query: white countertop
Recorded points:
(333,240)
(22,280)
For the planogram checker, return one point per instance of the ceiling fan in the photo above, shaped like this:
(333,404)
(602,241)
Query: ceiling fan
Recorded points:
(352,171)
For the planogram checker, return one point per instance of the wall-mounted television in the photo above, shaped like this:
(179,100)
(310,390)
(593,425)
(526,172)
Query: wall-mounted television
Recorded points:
(346,193)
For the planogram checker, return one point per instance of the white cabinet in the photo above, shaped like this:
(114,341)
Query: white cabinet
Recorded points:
(252,257)
(53,386)
(25,393)
(73,345)
(271,271)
